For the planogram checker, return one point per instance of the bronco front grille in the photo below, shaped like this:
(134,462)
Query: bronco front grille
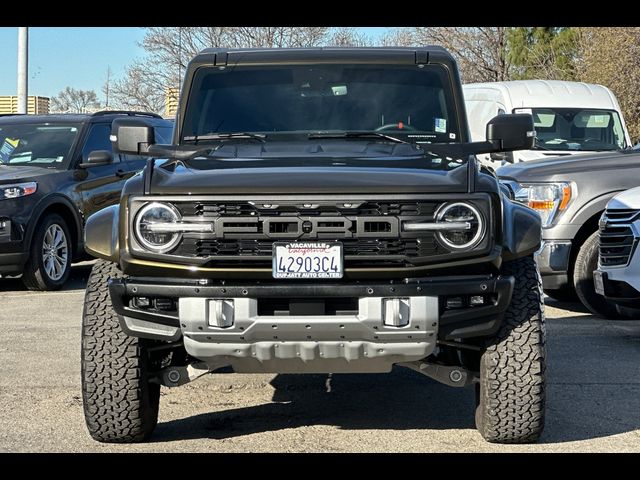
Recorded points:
(617,239)
(371,231)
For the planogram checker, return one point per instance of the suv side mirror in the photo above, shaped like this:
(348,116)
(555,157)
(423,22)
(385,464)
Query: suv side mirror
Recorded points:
(131,136)
(510,132)
(97,158)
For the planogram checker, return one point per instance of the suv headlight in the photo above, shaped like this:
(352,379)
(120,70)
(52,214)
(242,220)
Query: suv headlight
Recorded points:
(467,218)
(548,199)
(17,190)
(156,226)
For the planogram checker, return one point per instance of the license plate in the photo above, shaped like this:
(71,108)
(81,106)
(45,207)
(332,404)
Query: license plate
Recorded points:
(598,283)
(307,260)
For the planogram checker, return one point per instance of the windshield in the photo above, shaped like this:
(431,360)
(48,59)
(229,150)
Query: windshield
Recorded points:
(413,103)
(576,129)
(39,145)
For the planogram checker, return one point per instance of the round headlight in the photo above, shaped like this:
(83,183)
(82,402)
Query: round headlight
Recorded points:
(470,219)
(153,227)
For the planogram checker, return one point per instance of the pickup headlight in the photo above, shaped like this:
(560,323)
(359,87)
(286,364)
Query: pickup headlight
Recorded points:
(17,190)
(156,227)
(548,199)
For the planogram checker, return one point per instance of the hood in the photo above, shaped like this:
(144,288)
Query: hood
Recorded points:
(309,175)
(629,199)
(20,173)
(546,168)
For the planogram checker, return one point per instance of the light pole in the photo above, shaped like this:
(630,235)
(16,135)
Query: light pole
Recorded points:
(23,68)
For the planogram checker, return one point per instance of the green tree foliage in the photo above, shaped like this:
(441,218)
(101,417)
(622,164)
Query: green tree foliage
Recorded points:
(547,53)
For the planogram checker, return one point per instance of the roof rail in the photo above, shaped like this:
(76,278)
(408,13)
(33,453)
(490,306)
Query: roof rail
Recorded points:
(125,112)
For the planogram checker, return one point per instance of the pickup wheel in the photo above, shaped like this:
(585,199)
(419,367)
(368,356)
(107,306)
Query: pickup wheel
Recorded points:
(49,262)
(586,263)
(120,405)
(510,397)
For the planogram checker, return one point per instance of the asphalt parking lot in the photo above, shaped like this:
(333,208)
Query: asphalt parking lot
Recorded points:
(593,401)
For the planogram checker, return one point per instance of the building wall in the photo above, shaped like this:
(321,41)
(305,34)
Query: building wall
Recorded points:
(171,102)
(35,105)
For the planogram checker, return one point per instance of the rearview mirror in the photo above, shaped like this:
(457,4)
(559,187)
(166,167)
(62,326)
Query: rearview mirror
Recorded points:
(131,136)
(97,158)
(510,132)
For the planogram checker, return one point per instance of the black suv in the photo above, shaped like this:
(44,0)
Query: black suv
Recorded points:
(55,171)
(318,211)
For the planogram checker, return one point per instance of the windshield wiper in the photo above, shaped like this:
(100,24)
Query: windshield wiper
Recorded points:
(226,136)
(312,136)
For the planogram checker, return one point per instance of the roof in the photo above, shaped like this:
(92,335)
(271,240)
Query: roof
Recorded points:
(71,117)
(551,93)
(321,55)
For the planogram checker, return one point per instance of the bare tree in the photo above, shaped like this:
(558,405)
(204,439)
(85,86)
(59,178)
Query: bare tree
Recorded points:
(71,100)
(169,50)
(610,56)
(481,52)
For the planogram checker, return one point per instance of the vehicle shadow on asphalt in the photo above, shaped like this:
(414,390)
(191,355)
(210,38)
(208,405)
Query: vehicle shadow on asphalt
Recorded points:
(397,401)
(590,394)
(77,280)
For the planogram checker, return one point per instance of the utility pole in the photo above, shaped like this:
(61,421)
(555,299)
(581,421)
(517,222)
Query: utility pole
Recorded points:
(23,67)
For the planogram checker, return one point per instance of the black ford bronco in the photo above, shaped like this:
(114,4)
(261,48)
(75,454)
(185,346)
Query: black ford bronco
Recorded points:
(319,211)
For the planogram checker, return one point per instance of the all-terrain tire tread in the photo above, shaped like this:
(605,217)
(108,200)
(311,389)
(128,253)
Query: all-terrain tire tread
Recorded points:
(120,405)
(512,368)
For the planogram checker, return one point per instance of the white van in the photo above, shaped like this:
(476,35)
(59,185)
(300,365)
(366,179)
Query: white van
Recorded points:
(569,117)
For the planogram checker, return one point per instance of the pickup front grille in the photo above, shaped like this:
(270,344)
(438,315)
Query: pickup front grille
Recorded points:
(617,239)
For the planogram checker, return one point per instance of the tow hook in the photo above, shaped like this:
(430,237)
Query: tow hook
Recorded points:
(452,376)
(176,376)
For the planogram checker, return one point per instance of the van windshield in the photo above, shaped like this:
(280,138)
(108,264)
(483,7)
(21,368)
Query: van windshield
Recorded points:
(576,129)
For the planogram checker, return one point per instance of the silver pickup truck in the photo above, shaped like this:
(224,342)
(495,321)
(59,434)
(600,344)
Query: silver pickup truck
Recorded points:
(571,193)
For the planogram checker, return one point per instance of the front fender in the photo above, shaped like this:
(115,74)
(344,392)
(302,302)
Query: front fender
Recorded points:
(101,234)
(522,230)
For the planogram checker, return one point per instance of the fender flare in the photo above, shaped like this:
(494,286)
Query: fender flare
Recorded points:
(101,236)
(44,204)
(522,230)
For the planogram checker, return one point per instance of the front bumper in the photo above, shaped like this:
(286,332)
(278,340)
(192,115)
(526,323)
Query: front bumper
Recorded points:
(553,261)
(298,341)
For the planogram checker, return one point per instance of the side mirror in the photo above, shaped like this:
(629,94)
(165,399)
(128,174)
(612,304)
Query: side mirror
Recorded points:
(510,132)
(131,136)
(97,158)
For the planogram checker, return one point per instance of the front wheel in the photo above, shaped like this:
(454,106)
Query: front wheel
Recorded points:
(49,263)
(120,404)
(510,398)
(586,263)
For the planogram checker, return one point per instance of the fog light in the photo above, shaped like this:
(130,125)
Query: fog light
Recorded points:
(165,304)
(455,302)
(396,312)
(476,300)
(142,302)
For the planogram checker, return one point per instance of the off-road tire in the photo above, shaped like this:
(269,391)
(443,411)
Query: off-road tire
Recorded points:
(34,275)
(586,263)
(510,398)
(120,405)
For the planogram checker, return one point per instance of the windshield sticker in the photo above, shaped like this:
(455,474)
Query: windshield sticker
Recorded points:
(8,147)
(523,110)
(440,125)
(452,136)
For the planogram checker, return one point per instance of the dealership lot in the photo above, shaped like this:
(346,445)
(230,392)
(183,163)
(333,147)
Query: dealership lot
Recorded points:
(593,402)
